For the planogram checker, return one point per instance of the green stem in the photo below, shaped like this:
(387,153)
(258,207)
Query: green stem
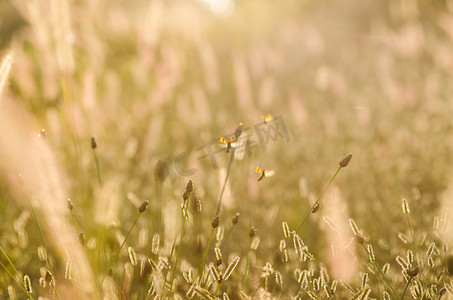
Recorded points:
(118,252)
(224,183)
(166,271)
(15,270)
(405,289)
(159,219)
(217,289)
(14,278)
(317,200)
(246,264)
(380,271)
(98,170)
(206,255)
(257,288)
(184,217)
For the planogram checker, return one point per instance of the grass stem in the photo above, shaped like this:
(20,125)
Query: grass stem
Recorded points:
(380,271)
(119,250)
(205,255)
(317,200)
(184,218)
(224,183)
(405,289)
(98,170)
(15,270)
(247,264)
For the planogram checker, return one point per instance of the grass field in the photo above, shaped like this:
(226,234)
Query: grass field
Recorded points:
(114,183)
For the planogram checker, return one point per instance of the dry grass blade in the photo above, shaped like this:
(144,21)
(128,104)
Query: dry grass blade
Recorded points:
(5,69)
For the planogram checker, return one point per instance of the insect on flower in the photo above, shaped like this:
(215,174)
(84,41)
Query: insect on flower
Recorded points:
(228,143)
(266,119)
(264,173)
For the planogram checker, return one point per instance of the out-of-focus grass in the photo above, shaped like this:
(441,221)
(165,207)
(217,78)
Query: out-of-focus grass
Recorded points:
(153,80)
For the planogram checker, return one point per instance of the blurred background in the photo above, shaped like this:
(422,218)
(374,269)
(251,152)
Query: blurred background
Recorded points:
(162,80)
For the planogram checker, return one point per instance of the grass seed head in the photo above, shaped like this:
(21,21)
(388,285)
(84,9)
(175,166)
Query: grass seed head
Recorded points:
(215,274)
(315,208)
(197,205)
(143,207)
(405,206)
(286,231)
(132,256)
(345,161)
(160,171)
(215,222)
(413,272)
(252,232)
(235,219)
(93,143)
(229,270)
(27,284)
(189,187)
(354,227)
(48,277)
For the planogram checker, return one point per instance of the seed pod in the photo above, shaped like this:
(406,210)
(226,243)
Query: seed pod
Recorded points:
(197,205)
(143,207)
(235,219)
(27,284)
(215,222)
(405,206)
(189,187)
(354,227)
(370,252)
(68,270)
(215,273)
(252,231)
(218,253)
(48,277)
(231,268)
(315,208)
(359,239)
(132,256)
(413,272)
(385,268)
(160,171)
(93,143)
(345,161)
(286,231)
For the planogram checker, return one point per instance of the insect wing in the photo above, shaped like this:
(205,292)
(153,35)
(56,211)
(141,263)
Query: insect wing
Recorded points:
(240,147)
(269,173)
